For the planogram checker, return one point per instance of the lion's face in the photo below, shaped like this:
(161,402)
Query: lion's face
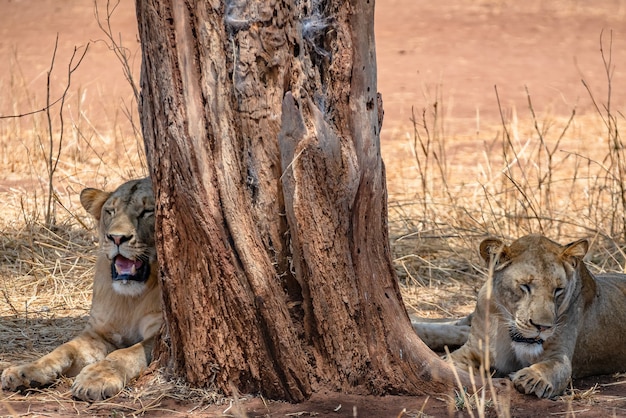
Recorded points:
(126,228)
(534,282)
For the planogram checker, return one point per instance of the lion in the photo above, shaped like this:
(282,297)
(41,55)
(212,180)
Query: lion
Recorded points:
(116,344)
(545,318)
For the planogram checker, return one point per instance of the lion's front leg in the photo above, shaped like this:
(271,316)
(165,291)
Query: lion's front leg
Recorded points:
(67,359)
(544,379)
(108,377)
(467,357)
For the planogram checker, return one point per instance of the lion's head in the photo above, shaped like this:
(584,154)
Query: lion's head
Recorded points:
(126,227)
(535,280)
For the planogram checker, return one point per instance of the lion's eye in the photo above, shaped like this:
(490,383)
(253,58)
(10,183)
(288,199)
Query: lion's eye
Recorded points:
(146,213)
(558,292)
(525,288)
(109,212)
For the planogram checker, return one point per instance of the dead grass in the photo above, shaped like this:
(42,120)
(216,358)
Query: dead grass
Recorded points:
(562,177)
(506,187)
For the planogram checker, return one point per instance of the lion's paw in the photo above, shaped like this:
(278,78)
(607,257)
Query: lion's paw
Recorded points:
(27,376)
(98,381)
(532,381)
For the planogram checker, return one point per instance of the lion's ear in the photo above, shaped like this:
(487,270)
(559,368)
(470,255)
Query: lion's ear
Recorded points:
(575,251)
(493,250)
(93,200)
(573,254)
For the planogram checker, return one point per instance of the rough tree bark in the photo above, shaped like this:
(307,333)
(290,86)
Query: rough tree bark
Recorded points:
(261,122)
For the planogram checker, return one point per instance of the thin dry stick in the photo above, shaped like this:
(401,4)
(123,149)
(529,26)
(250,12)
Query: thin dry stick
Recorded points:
(529,200)
(53,155)
(616,154)
(124,56)
(546,179)
(422,166)
(121,52)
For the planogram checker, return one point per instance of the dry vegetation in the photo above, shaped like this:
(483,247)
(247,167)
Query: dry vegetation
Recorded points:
(563,177)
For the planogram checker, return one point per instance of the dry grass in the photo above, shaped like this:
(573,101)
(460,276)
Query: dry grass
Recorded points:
(562,177)
(508,187)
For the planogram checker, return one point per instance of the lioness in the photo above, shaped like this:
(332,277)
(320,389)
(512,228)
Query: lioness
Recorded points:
(548,318)
(116,344)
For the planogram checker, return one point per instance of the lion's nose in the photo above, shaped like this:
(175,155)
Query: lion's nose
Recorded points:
(119,239)
(540,327)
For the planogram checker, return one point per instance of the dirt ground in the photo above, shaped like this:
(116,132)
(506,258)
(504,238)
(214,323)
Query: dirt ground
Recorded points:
(455,52)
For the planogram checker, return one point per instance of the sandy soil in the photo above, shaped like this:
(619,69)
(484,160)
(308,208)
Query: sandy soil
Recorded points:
(462,50)
(451,52)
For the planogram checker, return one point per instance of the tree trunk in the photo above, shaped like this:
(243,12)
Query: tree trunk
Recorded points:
(261,122)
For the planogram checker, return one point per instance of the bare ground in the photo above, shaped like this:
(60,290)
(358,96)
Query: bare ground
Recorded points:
(454,53)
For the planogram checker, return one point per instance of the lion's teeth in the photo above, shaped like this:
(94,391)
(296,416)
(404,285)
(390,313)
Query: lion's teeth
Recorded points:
(125,266)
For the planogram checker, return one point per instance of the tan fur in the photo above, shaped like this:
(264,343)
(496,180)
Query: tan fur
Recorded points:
(116,344)
(542,291)
(441,333)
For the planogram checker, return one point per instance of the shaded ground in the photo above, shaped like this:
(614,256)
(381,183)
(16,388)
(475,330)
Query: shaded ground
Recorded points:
(602,398)
(449,52)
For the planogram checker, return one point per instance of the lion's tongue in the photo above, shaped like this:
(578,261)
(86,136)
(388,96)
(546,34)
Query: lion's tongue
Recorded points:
(126,267)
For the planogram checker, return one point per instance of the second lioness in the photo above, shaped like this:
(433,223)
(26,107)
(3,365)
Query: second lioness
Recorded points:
(548,318)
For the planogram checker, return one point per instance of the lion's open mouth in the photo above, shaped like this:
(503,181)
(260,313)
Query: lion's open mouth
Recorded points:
(125,269)
(519,338)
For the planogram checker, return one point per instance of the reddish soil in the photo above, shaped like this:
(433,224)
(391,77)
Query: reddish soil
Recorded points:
(455,50)
(461,50)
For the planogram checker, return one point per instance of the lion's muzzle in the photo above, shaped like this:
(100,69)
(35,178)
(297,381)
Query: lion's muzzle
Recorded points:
(517,337)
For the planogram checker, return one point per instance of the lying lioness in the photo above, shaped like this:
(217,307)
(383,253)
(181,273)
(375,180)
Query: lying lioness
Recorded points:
(548,318)
(125,315)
